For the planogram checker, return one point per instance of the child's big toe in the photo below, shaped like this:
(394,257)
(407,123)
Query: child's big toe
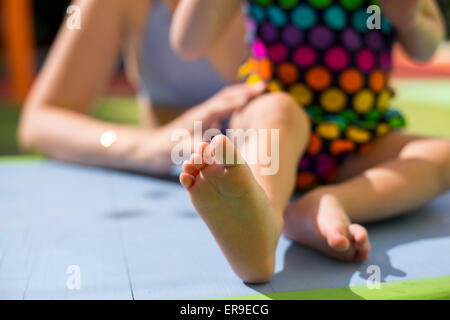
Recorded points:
(359,234)
(225,152)
(338,241)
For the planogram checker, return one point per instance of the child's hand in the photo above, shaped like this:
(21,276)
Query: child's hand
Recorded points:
(402,13)
(419,23)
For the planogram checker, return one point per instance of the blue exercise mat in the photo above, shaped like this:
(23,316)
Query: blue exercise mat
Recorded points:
(135,237)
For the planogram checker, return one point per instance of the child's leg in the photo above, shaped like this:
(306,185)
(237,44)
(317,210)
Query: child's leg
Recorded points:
(276,111)
(419,171)
(242,207)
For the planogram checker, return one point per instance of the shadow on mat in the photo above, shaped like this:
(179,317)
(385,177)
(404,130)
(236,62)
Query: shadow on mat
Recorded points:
(127,214)
(305,269)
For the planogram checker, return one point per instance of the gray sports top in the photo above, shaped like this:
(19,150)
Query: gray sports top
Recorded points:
(165,78)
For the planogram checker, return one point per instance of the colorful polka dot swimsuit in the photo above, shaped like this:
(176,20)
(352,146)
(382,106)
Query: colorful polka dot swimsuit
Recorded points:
(324,55)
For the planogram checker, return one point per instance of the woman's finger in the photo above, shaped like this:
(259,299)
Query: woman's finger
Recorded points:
(228,100)
(215,125)
(237,94)
(245,90)
(239,97)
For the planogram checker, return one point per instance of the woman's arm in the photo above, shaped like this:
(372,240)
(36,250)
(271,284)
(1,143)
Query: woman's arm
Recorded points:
(55,118)
(198,24)
(419,24)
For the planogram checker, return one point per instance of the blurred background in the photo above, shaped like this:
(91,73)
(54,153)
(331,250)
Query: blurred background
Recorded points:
(28,27)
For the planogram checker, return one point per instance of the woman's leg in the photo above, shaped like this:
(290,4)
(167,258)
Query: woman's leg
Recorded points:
(401,173)
(242,206)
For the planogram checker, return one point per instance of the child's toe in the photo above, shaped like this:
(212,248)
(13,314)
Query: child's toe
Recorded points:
(361,241)
(190,168)
(201,158)
(186,180)
(359,234)
(337,241)
(225,152)
(197,161)
(361,255)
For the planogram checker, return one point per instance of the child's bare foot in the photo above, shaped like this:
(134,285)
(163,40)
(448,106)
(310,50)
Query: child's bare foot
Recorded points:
(319,221)
(234,207)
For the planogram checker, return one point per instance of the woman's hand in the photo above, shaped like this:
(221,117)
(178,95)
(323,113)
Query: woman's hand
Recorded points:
(156,156)
(223,104)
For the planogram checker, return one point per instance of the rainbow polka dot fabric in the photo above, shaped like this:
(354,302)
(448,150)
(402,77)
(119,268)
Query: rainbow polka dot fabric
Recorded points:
(333,65)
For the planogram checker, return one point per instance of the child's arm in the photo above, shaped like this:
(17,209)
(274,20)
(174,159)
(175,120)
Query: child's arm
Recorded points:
(198,24)
(419,24)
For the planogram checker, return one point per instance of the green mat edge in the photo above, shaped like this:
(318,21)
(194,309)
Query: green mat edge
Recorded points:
(23,158)
(421,289)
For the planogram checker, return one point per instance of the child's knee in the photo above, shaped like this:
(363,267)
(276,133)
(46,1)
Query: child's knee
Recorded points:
(444,159)
(283,111)
(435,151)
